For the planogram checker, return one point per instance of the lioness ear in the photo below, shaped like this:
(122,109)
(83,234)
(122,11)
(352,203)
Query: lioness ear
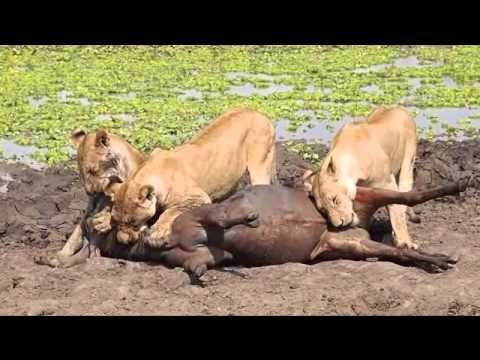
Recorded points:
(115,179)
(331,167)
(147,192)
(77,137)
(112,188)
(102,139)
(308,181)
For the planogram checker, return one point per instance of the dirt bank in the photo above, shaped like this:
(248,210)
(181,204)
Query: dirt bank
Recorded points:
(39,210)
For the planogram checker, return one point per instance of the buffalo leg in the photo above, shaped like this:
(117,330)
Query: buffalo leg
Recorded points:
(382,197)
(225,221)
(195,228)
(204,258)
(355,244)
(235,211)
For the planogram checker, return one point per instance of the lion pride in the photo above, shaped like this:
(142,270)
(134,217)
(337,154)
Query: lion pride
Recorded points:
(378,152)
(207,168)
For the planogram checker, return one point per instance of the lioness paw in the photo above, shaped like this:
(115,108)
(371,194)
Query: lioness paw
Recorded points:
(406,244)
(158,237)
(101,222)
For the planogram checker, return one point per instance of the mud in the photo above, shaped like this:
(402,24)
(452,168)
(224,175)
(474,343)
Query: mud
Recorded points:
(40,208)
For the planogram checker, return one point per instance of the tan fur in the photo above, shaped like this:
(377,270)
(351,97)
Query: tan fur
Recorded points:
(206,169)
(101,157)
(377,152)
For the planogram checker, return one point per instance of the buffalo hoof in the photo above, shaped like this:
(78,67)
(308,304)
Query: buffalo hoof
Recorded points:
(194,267)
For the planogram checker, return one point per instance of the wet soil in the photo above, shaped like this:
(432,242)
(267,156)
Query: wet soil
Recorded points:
(40,208)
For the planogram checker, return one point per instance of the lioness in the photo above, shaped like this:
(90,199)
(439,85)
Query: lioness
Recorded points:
(378,152)
(100,156)
(207,168)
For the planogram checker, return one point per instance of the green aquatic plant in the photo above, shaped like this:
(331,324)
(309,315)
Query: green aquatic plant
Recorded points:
(82,87)
(305,150)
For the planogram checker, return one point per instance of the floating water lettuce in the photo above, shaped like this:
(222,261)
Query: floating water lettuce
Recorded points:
(82,84)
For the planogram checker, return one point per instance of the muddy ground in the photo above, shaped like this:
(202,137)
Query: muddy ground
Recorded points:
(39,209)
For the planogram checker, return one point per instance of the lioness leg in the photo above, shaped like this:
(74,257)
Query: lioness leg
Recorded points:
(65,261)
(355,244)
(261,163)
(405,177)
(159,235)
(75,241)
(398,219)
(101,221)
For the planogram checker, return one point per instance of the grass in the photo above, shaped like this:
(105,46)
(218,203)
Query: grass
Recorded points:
(159,74)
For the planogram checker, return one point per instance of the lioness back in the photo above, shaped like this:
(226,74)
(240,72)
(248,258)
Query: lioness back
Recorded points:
(217,157)
(386,131)
(220,154)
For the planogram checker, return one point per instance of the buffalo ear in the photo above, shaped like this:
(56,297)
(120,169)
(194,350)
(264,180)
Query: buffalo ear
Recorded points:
(147,192)
(102,139)
(77,137)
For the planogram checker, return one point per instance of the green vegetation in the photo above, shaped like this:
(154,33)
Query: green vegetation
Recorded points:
(152,78)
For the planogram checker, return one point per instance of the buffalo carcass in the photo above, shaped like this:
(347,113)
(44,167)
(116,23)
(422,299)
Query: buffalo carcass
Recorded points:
(264,225)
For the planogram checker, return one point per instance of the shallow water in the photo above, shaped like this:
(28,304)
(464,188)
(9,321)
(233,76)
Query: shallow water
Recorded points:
(312,89)
(84,101)
(36,102)
(240,75)
(415,84)
(125,96)
(450,116)
(20,153)
(193,94)
(374,89)
(410,61)
(5,179)
(128,118)
(373,68)
(318,130)
(449,82)
(249,89)
(64,95)
(323,130)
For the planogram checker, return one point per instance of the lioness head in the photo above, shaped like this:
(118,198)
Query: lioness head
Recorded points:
(333,194)
(132,208)
(98,162)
